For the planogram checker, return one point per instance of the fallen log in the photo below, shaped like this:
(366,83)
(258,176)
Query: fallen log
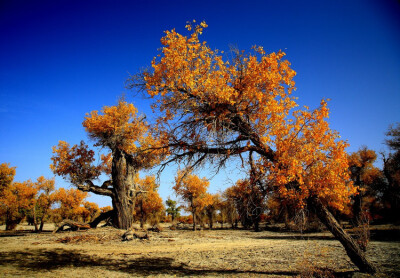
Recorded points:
(73,225)
(132,234)
(104,216)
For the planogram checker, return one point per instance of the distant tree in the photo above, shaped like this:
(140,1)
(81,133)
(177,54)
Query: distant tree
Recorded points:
(204,209)
(128,138)
(43,201)
(228,208)
(214,109)
(172,209)
(192,189)
(149,205)
(364,174)
(70,204)
(249,203)
(213,204)
(391,170)
(15,202)
(7,175)
(91,211)
(17,199)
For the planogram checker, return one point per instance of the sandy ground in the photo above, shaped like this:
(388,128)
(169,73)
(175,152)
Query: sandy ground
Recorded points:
(184,253)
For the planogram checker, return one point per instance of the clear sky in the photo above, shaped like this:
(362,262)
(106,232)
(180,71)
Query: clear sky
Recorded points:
(61,59)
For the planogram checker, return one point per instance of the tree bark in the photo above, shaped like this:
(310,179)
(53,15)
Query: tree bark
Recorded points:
(11,224)
(41,225)
(101,217)
(194,221)
(354,252)
(357,209)
(35,219)
(74,225)
(123,173)
(210,220)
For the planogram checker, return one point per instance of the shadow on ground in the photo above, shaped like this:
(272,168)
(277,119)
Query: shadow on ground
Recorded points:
(41,259)
(298,237)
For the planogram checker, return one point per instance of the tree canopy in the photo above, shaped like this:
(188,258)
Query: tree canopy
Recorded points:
(215,108)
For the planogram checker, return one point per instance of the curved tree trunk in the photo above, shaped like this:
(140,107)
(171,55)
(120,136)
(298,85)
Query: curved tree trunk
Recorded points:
(356,255)
(123,175)
(103,216)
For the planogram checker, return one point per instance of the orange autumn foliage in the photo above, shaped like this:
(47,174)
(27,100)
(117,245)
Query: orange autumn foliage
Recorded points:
(15,201)
(43,201)
(75,162)
(368,179)
(149,205)
(362,163)
(69,202)
(227,107)
(24,199)
(120,127)
(7,174)
(115,127)
(193,191)
(130,145)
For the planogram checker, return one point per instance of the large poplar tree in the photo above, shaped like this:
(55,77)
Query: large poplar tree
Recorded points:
(126,136)
(214,108)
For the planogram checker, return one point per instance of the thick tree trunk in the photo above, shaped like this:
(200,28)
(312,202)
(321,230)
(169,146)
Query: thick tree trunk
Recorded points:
(123,175)
(41,225)
(11,225)
(356,255)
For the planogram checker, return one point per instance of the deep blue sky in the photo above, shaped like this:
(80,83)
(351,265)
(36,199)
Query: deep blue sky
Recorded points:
(61,59)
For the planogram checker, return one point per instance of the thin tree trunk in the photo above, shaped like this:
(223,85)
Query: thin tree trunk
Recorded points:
(354,252)
(194,221)
(210,218)
(35,219)
(357,209)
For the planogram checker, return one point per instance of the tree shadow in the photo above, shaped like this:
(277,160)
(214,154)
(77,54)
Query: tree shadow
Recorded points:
(41,259)
(298,237)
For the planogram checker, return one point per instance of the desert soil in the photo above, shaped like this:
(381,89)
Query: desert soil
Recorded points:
(212,253)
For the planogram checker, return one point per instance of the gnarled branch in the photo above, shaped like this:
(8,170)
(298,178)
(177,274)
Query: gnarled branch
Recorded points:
(89,186)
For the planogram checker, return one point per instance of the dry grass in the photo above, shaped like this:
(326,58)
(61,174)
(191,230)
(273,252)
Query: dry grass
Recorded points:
(217,253)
